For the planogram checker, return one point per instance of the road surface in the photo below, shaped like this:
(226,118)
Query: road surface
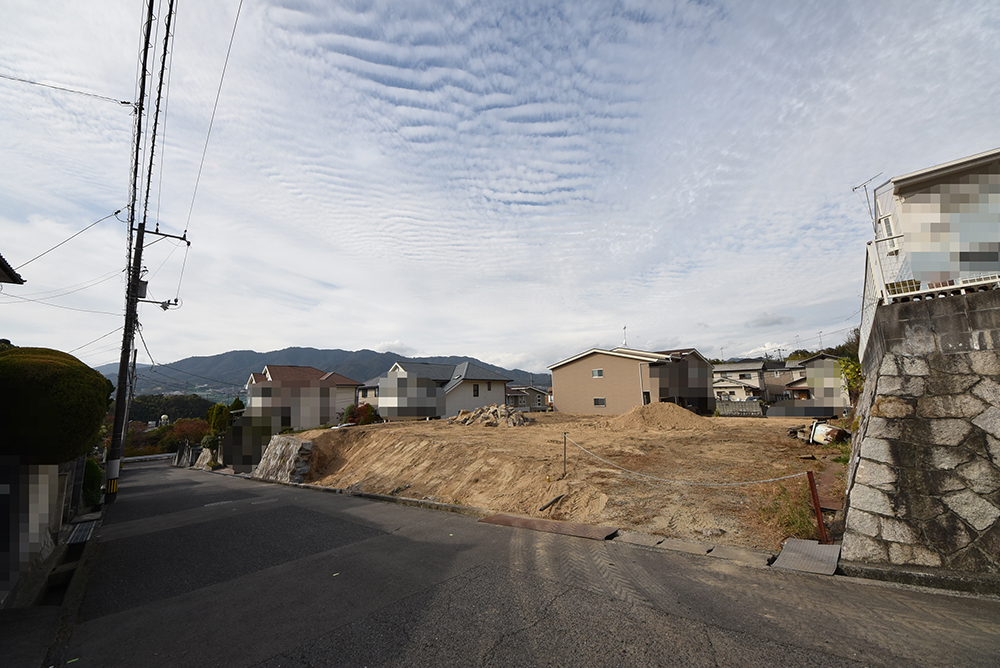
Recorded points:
(199,569)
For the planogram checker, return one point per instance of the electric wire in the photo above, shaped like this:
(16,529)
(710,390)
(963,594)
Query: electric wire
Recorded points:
(145,347)
(211,122)
(68,308)
(166,107)
(124,103)
(104,336)
(67,240)
(68,290)
(156,111)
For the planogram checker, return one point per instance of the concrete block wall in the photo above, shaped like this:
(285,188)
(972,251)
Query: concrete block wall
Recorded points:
(924,480)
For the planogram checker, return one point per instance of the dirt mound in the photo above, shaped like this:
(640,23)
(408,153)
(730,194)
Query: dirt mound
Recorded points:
(659,417)
(520,470)
(492,416)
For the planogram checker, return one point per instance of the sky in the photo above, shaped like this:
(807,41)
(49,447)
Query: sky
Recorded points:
(515,181)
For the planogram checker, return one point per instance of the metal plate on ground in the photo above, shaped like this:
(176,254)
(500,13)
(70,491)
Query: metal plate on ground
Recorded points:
(552,526)
(808,556)
(81,532)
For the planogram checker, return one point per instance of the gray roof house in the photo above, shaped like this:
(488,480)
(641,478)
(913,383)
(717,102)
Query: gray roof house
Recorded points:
(418,390)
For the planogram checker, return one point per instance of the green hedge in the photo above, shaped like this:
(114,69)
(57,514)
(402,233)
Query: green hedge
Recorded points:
(52,405)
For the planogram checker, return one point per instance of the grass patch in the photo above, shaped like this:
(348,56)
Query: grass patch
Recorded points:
(788,511)
(844,450)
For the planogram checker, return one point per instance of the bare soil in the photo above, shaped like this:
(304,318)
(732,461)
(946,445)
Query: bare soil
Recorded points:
(520,469)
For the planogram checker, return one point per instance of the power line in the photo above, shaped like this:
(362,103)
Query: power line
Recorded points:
(62,292)
(124,103)
(211,122)
(70,239)
(116,329)
(68,308)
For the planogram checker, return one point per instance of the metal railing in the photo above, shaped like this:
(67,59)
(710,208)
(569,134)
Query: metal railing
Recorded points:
(889,279)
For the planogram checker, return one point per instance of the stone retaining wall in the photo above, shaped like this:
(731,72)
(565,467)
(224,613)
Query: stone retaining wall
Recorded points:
(925,470)
(285,459)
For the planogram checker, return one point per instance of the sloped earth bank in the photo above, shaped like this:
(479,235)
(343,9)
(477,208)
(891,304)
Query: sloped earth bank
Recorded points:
(520,469)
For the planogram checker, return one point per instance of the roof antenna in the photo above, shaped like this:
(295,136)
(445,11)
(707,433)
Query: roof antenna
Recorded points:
(624,339)
(871,214)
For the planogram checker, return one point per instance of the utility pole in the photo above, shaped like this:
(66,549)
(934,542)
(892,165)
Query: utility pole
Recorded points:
(132,290)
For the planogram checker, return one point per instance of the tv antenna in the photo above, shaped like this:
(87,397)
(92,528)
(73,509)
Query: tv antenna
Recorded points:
(871,213)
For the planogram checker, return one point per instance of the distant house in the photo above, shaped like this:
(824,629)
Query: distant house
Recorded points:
(736,381)
(610,382)
(417,390)
(818,391)
(777,376)
(527,398)
(298,397)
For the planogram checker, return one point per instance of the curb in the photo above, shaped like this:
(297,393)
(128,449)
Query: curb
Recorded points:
(966,583)
(420,503)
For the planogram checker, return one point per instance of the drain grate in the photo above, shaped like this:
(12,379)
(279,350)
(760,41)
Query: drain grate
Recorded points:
(808,556)
(81,533)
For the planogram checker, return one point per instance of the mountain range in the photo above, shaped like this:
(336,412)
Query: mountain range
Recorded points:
(222,376)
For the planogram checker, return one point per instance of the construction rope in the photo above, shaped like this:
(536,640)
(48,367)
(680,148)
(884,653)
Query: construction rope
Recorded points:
(684,482)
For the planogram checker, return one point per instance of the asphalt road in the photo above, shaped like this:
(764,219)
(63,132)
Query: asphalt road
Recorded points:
(196,569)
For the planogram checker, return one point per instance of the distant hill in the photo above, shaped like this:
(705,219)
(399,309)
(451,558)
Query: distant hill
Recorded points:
(221,377)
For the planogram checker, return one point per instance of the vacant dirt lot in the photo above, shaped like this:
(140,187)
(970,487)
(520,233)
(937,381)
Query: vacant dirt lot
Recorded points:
(520,469)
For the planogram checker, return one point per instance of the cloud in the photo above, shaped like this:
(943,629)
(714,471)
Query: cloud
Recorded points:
(512,181)
(397,347)
(766,319)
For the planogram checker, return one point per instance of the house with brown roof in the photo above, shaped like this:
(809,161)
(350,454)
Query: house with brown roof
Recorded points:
(298,397)
(611,382)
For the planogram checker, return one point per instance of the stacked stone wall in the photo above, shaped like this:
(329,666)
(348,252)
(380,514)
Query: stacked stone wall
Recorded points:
(925,471)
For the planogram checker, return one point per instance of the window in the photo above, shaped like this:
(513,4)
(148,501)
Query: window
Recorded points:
(777,374)
(597,373)
(885,230)
(645,398)
(489,386)
(600,401)
(364,394)
(725,374)
(538,400)
(475,390)
(376,393)
(745,376)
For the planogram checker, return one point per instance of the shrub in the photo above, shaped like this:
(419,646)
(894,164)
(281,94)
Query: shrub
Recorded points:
(361,414)
(52,405)
(92,478)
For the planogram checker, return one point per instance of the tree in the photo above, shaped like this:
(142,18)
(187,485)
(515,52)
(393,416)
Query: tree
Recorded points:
(52,405)
(237,405)
(149,407)
(192,430)
(854,382)
(218,419)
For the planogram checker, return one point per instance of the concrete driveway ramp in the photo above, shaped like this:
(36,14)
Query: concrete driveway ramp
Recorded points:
(808,556)
(552,526)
